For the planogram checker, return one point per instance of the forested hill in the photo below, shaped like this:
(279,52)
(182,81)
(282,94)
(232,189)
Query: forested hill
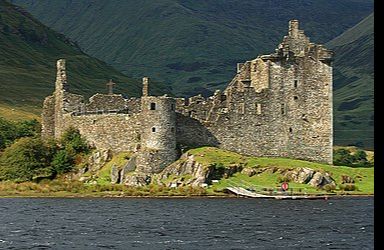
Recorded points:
(28,54)
(354,84)
(193,45)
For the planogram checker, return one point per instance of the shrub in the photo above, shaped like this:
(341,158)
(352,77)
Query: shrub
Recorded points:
(329,187)
(348,187)
(342,157)
(73,142)
(62,162)
(26,158)
(360,158)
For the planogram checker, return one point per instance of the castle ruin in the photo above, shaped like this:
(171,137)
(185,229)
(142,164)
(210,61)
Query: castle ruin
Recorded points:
(277,105)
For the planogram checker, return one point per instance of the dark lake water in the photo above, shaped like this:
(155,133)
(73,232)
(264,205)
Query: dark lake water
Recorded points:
(146,223)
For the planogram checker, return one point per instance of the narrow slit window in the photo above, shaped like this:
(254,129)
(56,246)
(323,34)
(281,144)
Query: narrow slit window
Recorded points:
(258,108)
(153,130)
(153,106)
(295,98)
(295,83)
(283,109)
(242,108)
(290,130)
(172,106)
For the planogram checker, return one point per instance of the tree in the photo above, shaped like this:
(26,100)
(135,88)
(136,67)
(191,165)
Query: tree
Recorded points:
(73,142)
(25,159)
(62,162)
(10,131)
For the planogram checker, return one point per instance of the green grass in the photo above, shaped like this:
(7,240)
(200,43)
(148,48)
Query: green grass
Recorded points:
(119,160)
(62,188)
(18,113)
(210,156)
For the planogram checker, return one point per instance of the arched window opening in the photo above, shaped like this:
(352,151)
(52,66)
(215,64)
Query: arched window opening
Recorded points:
(153,106)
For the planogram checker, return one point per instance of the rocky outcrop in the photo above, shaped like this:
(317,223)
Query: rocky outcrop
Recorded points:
(300,175)
(98,158)
(186,165)
(309,176)
(249,171)
(321,179)
(128,168)
(188,171)
(347,179)
(115,174)
(137,180)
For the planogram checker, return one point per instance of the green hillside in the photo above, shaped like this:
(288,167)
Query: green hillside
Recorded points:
(28,54)
(193,45)
(354,84)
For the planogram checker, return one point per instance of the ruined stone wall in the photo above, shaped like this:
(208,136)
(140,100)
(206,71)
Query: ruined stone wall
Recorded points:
(48,117)
(117,132)
(102,102)
(277,105)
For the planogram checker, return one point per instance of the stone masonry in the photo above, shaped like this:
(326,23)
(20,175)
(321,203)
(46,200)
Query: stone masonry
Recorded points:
(277,105)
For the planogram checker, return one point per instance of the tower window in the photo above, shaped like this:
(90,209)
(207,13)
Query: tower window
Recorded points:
(258,108)
(153,130)
(242,108)
(295,83)
(295,98)
(172,106)
(153,106)
(282,109)
(290,130)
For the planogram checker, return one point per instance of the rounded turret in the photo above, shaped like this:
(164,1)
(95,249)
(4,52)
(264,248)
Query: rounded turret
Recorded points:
(158,122)
(158,136)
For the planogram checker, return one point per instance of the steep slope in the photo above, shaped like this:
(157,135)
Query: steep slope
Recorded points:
(193,45)
(354,84)
(28,54)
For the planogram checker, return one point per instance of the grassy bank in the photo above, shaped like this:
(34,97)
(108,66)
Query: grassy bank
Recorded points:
(363,177)
(61,188)
(208,156)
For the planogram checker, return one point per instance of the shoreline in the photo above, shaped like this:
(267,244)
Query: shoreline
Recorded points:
(329,196)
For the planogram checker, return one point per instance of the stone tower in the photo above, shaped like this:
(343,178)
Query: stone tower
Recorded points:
(52,116)
(58,104)
(158,134)
(61,87)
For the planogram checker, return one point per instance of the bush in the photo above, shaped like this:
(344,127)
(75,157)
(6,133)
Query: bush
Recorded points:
(73,142)
(25,159)
(62,162)
(348,187)
(66,156)
(344,157)
(329,187)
